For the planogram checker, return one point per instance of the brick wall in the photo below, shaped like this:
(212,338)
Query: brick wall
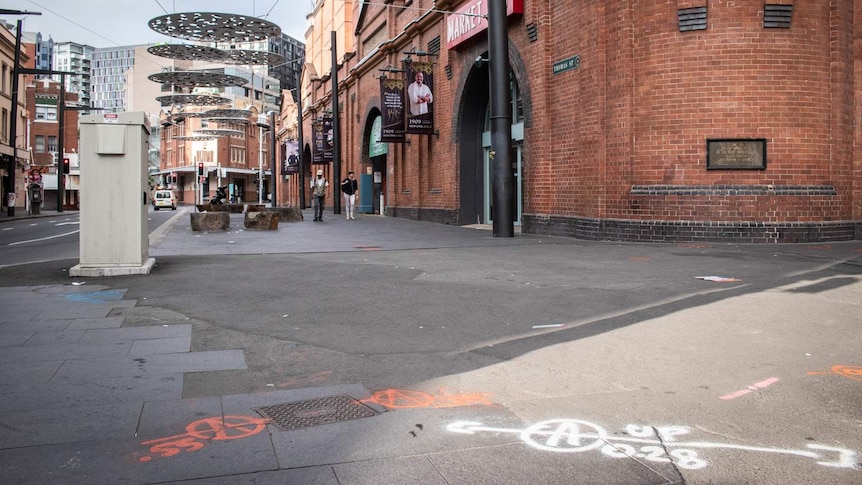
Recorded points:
(617,147)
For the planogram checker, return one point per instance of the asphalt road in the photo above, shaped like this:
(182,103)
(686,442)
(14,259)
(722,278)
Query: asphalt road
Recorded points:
(526,359)
(52,237)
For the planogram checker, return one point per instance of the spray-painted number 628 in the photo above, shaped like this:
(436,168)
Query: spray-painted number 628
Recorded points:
(683,458)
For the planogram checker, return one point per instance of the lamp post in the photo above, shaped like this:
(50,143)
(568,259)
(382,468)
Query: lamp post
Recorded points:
(273,170)
(13,130)
(299,147)
(501,119)
(336,129)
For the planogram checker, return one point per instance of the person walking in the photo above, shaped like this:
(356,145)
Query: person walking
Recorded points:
(350,189)
(318,191)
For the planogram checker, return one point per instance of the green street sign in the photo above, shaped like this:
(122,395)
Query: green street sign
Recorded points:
(567,64)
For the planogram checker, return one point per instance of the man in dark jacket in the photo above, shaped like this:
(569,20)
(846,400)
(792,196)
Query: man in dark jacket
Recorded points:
(350,189)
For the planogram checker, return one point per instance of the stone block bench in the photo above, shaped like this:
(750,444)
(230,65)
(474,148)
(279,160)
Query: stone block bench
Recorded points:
(286,214)
(266,220)
(210,221)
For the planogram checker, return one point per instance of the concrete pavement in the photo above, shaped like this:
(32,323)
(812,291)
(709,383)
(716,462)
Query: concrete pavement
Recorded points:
(391,351)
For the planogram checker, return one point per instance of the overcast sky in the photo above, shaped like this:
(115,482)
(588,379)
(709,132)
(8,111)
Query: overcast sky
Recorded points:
(110,23)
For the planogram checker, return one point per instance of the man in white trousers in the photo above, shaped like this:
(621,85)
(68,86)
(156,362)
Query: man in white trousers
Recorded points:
(350,189)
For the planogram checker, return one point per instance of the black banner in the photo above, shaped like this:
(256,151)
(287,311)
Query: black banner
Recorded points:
(289,157)
(420,98)
(392,122)
(323,141)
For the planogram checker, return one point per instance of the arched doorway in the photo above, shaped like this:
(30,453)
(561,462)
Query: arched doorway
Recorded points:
(372,190)
(476,174)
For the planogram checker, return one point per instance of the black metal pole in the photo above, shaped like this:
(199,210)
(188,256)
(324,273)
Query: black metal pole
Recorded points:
(13,130)
(273,168)
(299,147)
(61,119)
(336,132)
(501,119)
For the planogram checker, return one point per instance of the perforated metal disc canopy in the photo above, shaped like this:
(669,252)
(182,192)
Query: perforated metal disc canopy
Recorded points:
(214,27)
(187,52)
(193,99)
(197,138)
(217,132)
(225,113)
(251,57)
(197,78)
(226,119)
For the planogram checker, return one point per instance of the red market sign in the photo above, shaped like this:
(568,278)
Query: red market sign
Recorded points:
(472,19)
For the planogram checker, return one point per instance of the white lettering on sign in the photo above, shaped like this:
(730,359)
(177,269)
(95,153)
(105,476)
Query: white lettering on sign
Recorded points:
(472,19)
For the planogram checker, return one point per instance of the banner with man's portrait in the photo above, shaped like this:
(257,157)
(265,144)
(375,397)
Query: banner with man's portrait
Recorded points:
(420,98)
(392,123)
(290,157)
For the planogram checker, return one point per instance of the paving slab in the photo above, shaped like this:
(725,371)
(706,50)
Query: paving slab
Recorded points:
(130,461)
(144,348)
(172,363)
(68,425)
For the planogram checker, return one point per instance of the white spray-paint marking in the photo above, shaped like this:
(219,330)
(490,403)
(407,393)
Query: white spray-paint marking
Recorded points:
(644,442)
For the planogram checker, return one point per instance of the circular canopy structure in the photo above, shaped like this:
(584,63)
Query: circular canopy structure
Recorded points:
(193,99)
(225,113)
(214,27)
(186,52)
(251,57)
(226,119)
(197,78)
(197,138)
(217,132)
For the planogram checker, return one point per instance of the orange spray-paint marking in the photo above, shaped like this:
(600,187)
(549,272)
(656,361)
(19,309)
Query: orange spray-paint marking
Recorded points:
(849,371)
(203,430)
(407,399)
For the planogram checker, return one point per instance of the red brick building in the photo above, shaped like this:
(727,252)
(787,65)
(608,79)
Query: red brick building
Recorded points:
(662,120)
(43,108)
(233,158)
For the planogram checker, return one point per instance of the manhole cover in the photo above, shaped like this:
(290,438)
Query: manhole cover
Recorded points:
(313,412)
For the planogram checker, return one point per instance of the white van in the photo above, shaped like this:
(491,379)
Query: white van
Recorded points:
(164,198)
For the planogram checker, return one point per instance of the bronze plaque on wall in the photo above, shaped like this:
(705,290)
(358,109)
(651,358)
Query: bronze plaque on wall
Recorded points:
(740,153)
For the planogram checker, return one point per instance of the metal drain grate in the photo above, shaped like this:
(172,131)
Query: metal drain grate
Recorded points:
(314,412)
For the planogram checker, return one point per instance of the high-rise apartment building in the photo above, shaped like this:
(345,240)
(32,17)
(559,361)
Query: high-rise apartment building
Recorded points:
(108,67)
(39,49)
(74,57)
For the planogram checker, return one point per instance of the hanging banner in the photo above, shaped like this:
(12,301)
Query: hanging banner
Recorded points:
(420,98)
(392,123)
(290,157)
(328,139)
(323,141)
(317,137)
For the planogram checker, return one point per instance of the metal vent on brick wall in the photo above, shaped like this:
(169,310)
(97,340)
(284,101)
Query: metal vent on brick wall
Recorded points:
(532,32)
(314,412)
(448,71)
(777,16)
(692,19)
(434,45)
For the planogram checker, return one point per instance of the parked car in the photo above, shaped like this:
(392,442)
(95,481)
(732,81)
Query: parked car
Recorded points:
(164,198)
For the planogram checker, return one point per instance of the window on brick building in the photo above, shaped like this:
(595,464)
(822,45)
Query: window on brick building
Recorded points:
(40,144)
